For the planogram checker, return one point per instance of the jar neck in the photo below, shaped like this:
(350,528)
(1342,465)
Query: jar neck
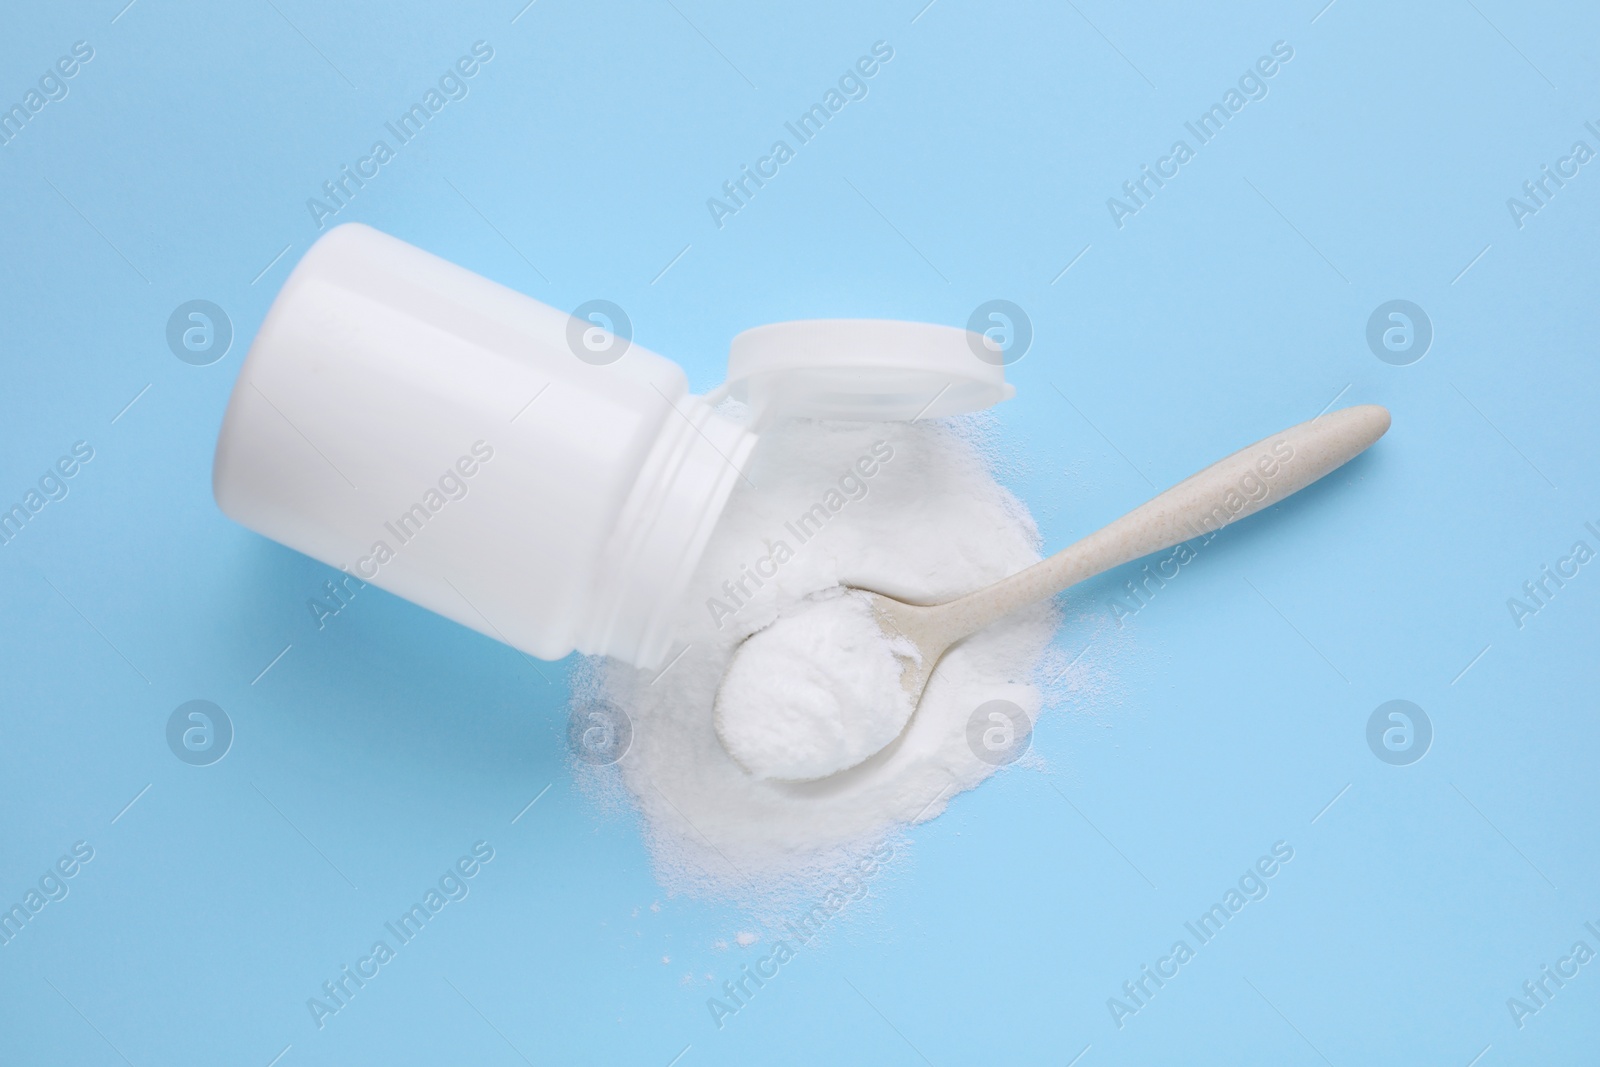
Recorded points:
(662,531)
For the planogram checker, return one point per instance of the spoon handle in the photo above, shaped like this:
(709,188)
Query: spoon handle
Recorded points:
(1230,489)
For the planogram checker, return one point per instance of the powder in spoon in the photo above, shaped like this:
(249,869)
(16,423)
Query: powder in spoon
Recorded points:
(816,692)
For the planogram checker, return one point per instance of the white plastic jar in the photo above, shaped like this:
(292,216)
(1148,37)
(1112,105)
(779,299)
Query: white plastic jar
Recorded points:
(512,467)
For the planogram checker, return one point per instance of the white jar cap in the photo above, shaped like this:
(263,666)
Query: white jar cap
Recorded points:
(866,369)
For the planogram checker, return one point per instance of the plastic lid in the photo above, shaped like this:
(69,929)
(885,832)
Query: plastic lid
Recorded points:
(868,369)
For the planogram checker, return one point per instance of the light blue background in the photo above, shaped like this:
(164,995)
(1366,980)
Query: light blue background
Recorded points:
(377,750)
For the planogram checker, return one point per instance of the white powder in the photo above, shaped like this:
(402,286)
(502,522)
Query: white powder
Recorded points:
(816,692)
(908,510)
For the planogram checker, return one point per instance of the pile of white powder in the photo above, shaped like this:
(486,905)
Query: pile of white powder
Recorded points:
(909,510)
